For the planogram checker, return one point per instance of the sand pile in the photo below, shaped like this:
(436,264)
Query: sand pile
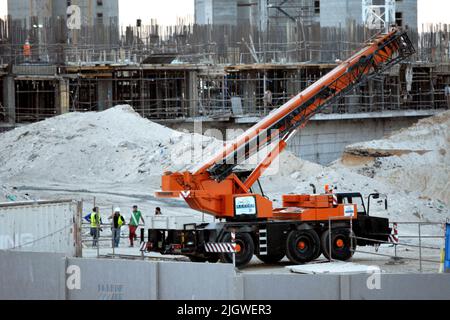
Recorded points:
(415,160)
(114,146)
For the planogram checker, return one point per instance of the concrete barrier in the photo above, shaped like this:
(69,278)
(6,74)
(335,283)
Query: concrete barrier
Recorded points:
(290,287)
(31,276)
(347,287)
(195,281)
(113,279)
(423,286)
(25,275)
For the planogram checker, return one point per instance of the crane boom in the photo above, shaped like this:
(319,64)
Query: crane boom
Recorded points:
(381,53)
(212,188)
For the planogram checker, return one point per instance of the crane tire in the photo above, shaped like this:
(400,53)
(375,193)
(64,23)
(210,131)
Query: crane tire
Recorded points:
(271,258)
(246,249)
(302,246)
(342,247)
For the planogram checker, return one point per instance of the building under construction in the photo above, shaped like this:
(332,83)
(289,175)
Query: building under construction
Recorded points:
(228,75)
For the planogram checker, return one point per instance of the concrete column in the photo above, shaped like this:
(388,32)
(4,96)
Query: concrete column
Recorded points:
(144,104)
(62,99)
(192,93)
(9,98)
(249,91)
(104,93)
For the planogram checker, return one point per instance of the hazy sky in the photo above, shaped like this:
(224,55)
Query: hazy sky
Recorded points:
(167,11)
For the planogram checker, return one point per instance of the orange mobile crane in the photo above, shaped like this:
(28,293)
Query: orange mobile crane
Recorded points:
(300,229)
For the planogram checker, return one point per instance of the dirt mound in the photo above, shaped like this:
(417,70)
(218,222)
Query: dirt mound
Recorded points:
(414,159)
(113,146)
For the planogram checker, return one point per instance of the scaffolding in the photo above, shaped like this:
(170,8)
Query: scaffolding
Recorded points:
(187,71)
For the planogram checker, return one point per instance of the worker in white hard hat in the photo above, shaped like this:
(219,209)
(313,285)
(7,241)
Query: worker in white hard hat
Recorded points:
(117,222)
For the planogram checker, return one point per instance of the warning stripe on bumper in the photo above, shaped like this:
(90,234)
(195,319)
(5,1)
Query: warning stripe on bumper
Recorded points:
(219,248)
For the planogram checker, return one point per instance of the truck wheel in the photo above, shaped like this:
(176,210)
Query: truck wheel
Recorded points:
(319,253)
(245,249)
(341,244)
(302,246)
(271,258)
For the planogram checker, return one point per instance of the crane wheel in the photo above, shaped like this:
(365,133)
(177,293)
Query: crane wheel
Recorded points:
(342,247)
(319,253)
(246,248)
(271,258)
(302,246)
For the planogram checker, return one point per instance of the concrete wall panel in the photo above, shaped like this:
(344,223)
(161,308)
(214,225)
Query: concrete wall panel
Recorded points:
(30,276)
(402,287)
(115,280)
(324,141)
(195,281)
(290,287)
(34,276)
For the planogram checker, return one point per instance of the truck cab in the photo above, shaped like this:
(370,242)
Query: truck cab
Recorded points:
(366,226)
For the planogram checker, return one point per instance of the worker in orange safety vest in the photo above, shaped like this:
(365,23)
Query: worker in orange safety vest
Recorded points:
(27,50)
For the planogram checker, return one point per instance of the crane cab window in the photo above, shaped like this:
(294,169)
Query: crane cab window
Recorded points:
(353,199)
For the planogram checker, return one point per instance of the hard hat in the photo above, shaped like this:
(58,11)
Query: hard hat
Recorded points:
(117,210)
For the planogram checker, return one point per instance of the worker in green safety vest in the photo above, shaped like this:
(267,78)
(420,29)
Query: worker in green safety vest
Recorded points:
(96,222)
(136,218)
(117,222)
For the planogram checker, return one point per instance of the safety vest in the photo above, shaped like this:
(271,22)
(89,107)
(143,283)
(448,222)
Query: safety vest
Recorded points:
(135,217)
(120,221)
(27,50)
(95,220)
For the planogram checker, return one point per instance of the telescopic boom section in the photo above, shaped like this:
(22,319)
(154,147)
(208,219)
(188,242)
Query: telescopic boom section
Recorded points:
(216,179)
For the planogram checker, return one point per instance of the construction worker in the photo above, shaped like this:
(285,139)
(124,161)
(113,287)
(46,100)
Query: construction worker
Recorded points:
(96,222)
(158,211)
(447,95)
(27,50)
(136,217)
(118,222)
